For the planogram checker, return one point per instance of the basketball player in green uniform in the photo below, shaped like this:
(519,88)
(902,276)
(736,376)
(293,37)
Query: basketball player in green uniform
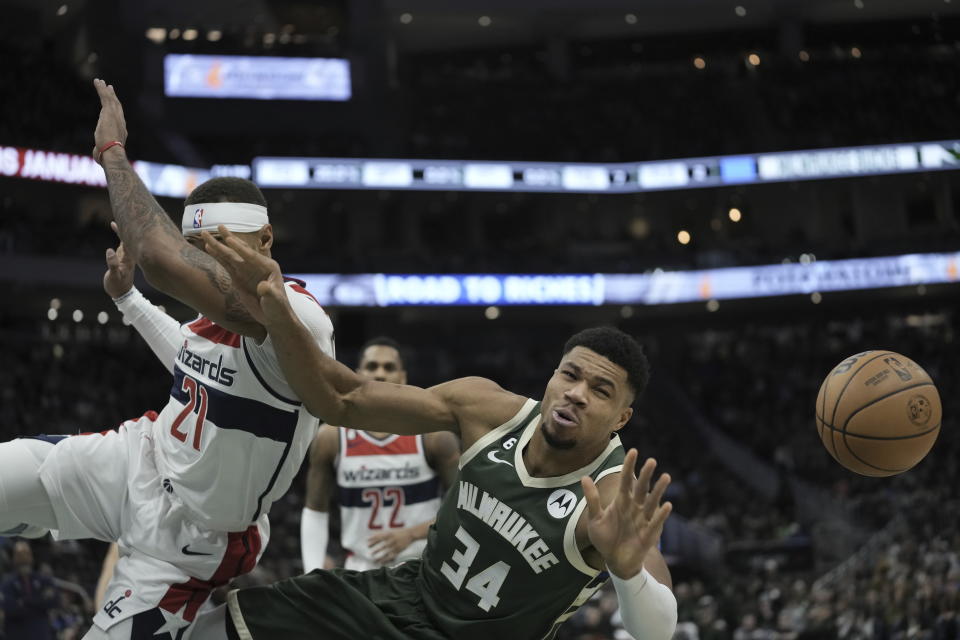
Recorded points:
(545,508)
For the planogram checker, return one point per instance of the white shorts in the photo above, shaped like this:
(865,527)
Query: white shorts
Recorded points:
(106,486)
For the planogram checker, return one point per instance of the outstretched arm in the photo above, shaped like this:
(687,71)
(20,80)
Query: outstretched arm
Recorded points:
(624,530)
(336,393)
(159,331)
(154,241)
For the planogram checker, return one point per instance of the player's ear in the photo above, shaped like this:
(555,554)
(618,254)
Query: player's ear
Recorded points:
(625,416)
(265,237)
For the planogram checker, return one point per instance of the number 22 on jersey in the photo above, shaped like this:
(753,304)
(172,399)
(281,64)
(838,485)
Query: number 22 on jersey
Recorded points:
(197,401)
(378,498)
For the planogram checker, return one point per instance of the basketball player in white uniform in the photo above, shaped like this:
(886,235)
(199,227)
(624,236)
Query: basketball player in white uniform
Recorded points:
(183,492)
(388,486)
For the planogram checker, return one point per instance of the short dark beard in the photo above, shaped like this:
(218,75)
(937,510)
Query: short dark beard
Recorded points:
(553,442)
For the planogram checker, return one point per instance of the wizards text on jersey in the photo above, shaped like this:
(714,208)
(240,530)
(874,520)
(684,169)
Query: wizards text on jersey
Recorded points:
(215,371)
(367,474)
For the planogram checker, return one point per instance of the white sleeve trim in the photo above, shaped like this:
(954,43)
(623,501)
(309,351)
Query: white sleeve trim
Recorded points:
(648,608)
(314,537)
(159,331)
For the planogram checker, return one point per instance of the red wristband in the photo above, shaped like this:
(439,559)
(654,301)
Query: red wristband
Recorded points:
(112,143)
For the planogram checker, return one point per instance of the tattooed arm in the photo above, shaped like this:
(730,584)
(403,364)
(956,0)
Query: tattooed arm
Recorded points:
(170,263)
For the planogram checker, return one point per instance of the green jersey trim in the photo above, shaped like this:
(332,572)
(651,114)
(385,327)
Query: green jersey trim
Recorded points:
(492,436)
(570,547)
(585,594)
(555,481)
(243,632)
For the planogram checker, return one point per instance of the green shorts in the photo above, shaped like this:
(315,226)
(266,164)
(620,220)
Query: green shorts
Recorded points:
(382,604)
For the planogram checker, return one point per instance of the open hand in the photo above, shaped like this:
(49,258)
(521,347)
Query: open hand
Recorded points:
(255,278)
(111,124)
(386,546)
(120,269)
(625,530)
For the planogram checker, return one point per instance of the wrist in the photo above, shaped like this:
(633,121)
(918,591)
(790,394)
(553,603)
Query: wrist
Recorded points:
(111,153)
(624,573)
(120,297)
(281,315)
(129,298)
(634,582)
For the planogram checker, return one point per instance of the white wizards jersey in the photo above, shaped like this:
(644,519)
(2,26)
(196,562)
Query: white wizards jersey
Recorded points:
(382,485)
(233,435)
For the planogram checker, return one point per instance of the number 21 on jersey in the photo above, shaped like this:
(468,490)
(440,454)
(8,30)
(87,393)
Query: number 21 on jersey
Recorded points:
(197,400)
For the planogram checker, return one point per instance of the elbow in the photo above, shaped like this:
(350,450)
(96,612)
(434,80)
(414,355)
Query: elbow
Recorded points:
(346,407)
(332,412)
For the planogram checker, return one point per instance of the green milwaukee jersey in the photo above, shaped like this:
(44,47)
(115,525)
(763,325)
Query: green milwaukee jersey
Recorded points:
(502,559)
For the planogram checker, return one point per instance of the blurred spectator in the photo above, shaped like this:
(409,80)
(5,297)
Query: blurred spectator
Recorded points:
(28,598)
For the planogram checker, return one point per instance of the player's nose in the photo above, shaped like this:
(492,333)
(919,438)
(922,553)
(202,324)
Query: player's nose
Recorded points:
(576,393)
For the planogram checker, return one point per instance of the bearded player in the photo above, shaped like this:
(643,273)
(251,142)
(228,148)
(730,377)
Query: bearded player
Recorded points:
(546,505)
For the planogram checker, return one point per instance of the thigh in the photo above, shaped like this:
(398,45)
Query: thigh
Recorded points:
(85,477)
(23,499)
(334,605)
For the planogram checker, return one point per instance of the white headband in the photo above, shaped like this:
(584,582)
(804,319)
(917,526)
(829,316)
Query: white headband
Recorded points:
(241,217)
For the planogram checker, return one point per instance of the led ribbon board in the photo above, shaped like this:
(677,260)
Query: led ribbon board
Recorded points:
(629,177)
(659,287)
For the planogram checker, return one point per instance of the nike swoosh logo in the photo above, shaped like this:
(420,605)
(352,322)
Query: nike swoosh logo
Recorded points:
(493,456)
(186,550)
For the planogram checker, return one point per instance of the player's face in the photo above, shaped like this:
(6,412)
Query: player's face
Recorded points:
(380,362)
(586,400)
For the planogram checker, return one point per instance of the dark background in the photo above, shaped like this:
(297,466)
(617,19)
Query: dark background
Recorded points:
(770,537)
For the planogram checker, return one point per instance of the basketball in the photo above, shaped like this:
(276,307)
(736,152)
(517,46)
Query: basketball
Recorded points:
(878,413)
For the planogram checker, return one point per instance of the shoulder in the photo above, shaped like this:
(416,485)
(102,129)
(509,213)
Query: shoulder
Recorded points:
(306,307)
(472,390)
(479,404)
(324,447)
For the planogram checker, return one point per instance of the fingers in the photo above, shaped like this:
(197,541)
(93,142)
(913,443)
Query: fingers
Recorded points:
(101,88)
(223,254)
(382,547)
(124,257)
(655,526)
(116,229)
(113,260)
(106,93)
(236,244)
(656,495)
(643,481)
(592,496)
(626,473)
